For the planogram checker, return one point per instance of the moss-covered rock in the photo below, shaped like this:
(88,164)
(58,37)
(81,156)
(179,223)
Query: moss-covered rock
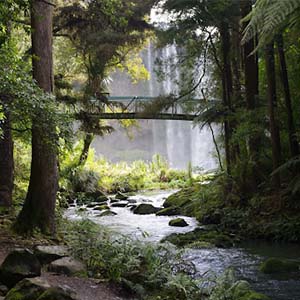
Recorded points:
(211,236)
(101,207)
(169,211)
(179,222)
(107,213)
(57,293)
(276,265)
(178,199)
(19,264)
(241,290)
(145,209)
(28,289)
(121,196)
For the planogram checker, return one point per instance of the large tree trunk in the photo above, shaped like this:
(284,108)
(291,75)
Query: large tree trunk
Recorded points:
(6,162)
(39,207)
(251,90)
(227,92)
(6,145)
(293,142)
(272,102)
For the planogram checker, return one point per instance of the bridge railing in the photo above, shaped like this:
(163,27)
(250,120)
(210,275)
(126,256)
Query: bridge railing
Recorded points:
(138,104)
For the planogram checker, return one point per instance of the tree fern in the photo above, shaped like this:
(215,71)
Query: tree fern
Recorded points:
(269,16)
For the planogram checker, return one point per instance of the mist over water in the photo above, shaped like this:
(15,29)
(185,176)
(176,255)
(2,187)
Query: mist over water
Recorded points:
(180,142)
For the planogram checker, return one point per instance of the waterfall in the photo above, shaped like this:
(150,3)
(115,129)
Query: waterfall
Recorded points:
(180,142)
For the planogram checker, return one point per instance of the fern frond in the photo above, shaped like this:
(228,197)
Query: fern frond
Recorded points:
(268,17)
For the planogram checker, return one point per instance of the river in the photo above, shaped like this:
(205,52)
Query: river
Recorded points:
(245,259)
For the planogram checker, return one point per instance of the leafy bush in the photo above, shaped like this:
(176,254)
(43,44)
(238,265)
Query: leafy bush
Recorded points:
(144,268)
(98,173)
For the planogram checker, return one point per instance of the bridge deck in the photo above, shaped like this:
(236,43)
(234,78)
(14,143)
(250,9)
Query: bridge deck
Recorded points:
(140,116)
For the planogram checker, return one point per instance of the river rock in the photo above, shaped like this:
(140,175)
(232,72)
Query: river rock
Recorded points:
(47,254)
(68,266)
(277,265)
(82,209)
(120,204)
(145,209)
(28,289)
(131,201)
(179,222)
(98,196)
(19,264)
(93,204)
(132,206)
(114,201)
(3,290)
(107,213)
(58,293)
(121,196)
(241,290)
(101,207)
(169,211)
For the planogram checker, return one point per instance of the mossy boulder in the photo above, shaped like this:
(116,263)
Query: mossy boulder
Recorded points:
(101,207)
(58,293)
(277,265)
(145,209)
(107,213)
(178,199)
(211,236)
(47,254)
(19,264)
(241,290)
(82,209)
(121,196)
(97,196)
(169,211)
(28,289)
(68,266)
(179,222)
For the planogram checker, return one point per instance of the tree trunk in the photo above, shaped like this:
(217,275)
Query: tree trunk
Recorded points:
(39,207)
(272,102)
(227,92)
(251,91)
(293,142)
(6,162)
(86,146)
(6,145)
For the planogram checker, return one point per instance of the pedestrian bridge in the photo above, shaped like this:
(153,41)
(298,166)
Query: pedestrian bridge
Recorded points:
(143,108)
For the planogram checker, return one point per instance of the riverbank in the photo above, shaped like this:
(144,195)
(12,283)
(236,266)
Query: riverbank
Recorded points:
(82,288)
(229,214)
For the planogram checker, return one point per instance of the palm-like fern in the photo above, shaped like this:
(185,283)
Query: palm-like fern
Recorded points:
(269,16)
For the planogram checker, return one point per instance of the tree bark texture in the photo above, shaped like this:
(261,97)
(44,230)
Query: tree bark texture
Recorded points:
(293,142)
(250,63)
(88,139)
(39,207)
(272,103)
(227,92)
(6,161)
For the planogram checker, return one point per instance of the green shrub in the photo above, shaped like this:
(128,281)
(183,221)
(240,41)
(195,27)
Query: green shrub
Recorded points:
(145,268)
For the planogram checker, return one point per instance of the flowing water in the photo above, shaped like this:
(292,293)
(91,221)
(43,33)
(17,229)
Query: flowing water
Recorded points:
(245,260)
